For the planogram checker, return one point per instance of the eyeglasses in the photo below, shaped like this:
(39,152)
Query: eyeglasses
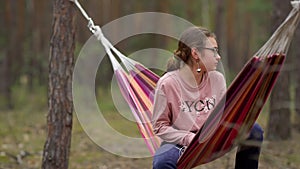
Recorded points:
(215,50)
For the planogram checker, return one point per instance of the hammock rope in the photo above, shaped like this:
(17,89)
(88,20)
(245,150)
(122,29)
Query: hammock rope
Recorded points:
(241,109)
(130,84)
(238,110)
(280,40)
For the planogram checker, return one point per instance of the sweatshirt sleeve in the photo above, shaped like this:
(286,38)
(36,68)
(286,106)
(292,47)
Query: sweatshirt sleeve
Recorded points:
(162,121)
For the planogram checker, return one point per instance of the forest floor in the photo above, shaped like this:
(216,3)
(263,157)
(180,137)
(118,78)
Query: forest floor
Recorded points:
(23,135)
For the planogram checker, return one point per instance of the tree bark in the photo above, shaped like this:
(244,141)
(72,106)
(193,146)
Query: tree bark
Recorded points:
(61,64)
(220,31)
(12,62)
(6,67)
(233,61)
(245,37)
(279,123)
(296,53)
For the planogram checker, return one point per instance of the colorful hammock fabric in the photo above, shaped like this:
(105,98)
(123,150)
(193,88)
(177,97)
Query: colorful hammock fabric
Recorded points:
(243,103)
(232,119)
(137,88)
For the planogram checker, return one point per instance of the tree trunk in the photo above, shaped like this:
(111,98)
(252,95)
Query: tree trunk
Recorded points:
(2,48)
(245,37)
(220,31)
(42,51)
(296,54)
(279,123)
(161,41)
(6,78)
(61,64)
(232,60)
(205,13)
(12,62)
(35,45)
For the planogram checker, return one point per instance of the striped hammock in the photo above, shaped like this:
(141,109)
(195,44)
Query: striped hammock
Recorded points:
(232,119)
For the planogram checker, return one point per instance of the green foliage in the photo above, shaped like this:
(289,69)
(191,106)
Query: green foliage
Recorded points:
(21,131)
(3,102)
(26,131)
(257,6)
(28,100)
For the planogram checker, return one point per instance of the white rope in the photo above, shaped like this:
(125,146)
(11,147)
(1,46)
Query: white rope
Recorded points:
(106,44)
(128,63)
(296,4)
(96,30)
(280,41)
(91,23)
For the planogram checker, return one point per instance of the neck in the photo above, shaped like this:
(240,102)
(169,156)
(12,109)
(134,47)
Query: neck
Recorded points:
(198,76)
(191,76)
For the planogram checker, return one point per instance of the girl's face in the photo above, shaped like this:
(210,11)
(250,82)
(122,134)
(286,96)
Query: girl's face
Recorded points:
(210,56)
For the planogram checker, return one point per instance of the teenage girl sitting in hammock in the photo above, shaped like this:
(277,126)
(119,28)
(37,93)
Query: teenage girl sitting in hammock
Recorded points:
(186,95)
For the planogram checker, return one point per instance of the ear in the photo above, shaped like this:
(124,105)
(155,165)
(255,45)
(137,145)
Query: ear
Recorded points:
(195,53)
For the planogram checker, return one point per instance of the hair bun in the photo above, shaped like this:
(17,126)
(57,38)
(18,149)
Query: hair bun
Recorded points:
(178,53)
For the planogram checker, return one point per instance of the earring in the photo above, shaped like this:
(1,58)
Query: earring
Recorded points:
(198,69)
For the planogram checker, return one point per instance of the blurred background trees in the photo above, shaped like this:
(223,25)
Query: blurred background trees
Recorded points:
(241,26)
(280,107)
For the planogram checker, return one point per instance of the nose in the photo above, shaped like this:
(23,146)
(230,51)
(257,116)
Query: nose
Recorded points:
(218,57)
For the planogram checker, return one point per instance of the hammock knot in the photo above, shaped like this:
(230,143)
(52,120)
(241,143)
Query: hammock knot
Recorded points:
(98,32)
(91,25)
(296,4)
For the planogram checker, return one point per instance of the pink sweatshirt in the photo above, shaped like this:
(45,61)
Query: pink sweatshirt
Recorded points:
(180,110)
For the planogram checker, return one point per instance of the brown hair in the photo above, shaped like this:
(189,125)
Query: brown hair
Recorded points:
(193,37)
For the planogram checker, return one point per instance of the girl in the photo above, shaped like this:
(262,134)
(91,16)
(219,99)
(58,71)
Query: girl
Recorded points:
(186,95)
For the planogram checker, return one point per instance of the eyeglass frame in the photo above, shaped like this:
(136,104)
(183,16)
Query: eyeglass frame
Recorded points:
(215,50)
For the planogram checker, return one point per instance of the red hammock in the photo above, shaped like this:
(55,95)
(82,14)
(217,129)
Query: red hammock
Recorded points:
(229,122)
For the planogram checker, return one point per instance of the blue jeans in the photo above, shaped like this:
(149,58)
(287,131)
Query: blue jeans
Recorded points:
(246,157)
